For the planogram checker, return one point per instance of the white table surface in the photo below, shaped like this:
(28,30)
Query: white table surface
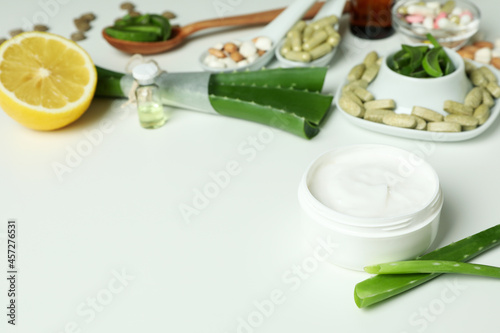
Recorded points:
(118,211)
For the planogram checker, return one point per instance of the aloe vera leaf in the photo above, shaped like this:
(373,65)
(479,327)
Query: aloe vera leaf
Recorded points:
(433,266)
(264,115)
(381,287)
(431,62)
(416,56)
(309,78)
(401,59)
(420,73)
(108,83)
(448,64)
(307,105)
(433,40)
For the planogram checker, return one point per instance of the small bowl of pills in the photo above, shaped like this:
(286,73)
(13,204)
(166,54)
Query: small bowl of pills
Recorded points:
(451,22)
(235,54)
(310,44)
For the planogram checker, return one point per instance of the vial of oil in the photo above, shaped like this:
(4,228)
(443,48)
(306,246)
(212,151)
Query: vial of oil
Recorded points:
(149,107)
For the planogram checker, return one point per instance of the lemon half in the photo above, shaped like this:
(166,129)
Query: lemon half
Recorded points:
(46,81)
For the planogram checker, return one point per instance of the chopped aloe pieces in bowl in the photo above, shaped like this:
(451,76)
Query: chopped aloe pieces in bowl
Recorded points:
(421,61)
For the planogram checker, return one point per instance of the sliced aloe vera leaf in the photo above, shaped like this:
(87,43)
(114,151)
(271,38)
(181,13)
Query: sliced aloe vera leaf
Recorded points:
(447,66)
(416,56)
(310,79)
(431,62)
(382,287)
(136,36)
(164,24)
(434,266)
(433,40)
(402,58)
(265,115)
(308,105)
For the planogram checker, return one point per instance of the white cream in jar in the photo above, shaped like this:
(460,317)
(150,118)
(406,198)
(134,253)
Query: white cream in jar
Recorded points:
(373,182)
(374,203)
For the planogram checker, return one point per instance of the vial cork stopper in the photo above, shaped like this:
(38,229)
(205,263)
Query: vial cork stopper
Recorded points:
(145,73)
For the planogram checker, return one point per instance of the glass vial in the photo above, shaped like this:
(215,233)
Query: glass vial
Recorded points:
(371,19)
(149,107)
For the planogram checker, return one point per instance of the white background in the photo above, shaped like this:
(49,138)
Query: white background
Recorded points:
(117,212)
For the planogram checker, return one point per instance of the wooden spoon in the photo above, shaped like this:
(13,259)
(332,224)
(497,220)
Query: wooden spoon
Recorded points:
(179,34)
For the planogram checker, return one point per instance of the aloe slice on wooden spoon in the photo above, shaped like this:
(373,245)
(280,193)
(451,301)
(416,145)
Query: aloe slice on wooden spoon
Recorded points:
(382,287)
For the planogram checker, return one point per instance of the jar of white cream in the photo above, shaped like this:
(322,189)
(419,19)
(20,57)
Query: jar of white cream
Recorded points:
(371,204)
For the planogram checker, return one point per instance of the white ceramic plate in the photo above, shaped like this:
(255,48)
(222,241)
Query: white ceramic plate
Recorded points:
(422,135)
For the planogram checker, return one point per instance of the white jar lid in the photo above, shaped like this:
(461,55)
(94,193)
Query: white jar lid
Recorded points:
(145,73)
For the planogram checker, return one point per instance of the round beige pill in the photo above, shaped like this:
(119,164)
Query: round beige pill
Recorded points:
(400,120)
(441,126)
(461,119)
(349,106)
(421,123)
(482,113)
(381,104)
(376,115)
(356,72)
(427,114)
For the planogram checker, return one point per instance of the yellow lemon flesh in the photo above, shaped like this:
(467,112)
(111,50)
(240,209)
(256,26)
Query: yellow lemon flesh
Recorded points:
(46,81)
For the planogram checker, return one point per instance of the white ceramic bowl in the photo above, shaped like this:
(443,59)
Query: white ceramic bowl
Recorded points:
(429,92)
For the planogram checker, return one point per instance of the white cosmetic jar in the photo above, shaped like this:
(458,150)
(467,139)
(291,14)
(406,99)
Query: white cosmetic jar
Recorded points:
(370,204)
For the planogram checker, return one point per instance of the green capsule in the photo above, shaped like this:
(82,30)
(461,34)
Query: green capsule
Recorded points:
(403,10)
(318,38)
(295,41)
(448,7)
(329,20)
(455,19)
(320,50)
(298,56)
(298,27)
(330,30)
(287,46)
(333,41)
(307,33)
